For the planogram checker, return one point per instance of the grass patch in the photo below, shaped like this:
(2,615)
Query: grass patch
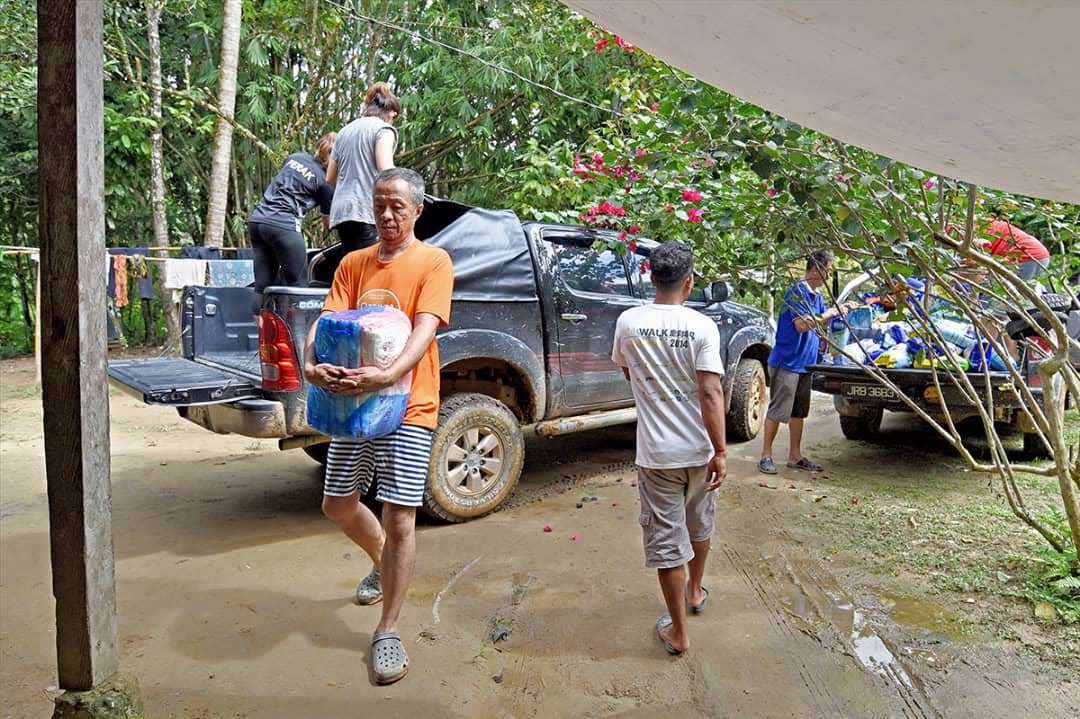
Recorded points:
(912,513)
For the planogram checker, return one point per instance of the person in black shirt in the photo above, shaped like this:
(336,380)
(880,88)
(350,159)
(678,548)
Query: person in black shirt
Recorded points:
(274,227)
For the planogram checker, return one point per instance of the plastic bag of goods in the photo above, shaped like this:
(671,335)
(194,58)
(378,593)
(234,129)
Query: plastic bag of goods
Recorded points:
(864,352)
(982,355)
(961,334)
(838,337)
(896,357)
(371,336)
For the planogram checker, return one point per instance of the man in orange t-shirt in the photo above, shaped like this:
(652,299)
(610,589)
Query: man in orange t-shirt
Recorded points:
(418,278)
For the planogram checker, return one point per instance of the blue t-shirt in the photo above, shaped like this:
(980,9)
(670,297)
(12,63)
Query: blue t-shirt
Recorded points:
(794,350)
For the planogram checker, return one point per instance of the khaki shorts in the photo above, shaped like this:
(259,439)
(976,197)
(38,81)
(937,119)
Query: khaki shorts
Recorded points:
(789,395)
(676,509)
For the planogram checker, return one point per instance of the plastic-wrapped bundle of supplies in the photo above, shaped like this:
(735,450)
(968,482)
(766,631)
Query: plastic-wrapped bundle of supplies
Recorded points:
(371,336)
(901,344)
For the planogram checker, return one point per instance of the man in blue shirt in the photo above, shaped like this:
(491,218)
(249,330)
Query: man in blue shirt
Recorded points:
(796,347)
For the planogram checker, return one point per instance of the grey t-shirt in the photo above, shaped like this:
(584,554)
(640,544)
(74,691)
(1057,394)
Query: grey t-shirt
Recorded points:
(354,153)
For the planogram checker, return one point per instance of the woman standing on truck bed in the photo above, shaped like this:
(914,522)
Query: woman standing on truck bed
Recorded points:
(365,147)
(274,227)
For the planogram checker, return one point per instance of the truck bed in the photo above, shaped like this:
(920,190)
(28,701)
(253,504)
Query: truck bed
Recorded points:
(906,376)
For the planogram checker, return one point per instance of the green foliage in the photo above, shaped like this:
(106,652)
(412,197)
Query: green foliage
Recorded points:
(1057,580)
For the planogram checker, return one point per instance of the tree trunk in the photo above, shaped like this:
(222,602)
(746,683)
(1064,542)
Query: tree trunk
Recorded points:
(160,219)
(226,102)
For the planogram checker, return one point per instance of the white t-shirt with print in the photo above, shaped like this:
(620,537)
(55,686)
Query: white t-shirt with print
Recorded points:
(664,347)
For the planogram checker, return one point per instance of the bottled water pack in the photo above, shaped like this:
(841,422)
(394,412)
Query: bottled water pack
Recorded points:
(372,336)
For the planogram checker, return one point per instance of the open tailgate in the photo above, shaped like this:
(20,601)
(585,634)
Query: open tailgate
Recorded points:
(179,382)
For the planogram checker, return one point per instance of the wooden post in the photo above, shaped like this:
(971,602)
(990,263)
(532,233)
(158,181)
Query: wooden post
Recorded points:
(74,386)
(37,316)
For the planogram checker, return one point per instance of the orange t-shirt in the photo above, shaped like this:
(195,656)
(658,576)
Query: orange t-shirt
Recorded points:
(421,280)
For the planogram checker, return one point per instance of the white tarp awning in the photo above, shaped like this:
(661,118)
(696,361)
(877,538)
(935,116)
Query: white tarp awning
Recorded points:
(986,92)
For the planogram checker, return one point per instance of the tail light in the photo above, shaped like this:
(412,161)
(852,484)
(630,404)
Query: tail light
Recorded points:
(280,368)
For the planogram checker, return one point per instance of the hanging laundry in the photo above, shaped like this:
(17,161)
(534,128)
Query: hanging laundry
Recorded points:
(120,265)
(231,273)
(182,273)
(196,252)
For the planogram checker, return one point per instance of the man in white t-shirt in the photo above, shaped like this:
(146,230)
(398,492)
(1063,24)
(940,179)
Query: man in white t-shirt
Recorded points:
(671,355)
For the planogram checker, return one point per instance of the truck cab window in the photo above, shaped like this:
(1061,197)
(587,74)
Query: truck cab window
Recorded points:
(585,270)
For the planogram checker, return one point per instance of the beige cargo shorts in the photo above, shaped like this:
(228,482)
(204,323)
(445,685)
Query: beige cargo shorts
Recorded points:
(676,509)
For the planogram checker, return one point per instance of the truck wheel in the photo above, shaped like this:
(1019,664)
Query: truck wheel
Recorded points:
(1034,447)
(318,452)
(476,457)
(749,396)
(863,425)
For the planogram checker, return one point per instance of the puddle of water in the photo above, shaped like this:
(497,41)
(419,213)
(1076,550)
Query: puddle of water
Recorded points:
(818,599)
(925,615)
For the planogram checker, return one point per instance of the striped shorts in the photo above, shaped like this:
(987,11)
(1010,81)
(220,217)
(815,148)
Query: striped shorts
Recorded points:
(399,462)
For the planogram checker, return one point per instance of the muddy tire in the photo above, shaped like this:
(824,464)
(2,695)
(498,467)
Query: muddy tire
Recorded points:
(1034,447)
(749,398)
(318,452)
(864,425)
(476,458)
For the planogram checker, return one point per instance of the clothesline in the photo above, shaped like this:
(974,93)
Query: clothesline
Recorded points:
(23,250)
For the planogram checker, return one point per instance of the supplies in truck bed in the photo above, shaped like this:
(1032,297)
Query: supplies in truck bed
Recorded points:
(869,337)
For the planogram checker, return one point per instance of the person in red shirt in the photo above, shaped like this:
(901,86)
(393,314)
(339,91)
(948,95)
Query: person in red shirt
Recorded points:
(1015,245)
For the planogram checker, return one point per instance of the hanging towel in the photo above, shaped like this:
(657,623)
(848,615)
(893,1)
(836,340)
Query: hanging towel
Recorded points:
(181,273)
(232,273)
(120,264)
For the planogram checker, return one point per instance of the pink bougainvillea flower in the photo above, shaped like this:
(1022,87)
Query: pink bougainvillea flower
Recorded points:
(640,152)
(623,235)
(655,106)
(929,184)
(547,528)
(771,192)
(694,214)
(606,208)
(618,211)
(619,41)
(691,195)
(601,44)
(709,162)
(581,171)
(634,229)
(694,165)
(593,211)
(618,172)
(632,245)
(645,268)
(598,159)
(634,177)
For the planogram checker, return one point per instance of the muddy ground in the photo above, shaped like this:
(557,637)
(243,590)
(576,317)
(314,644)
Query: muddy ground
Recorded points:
(234,593)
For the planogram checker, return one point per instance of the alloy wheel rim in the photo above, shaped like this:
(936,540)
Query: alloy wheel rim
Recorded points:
(474,461)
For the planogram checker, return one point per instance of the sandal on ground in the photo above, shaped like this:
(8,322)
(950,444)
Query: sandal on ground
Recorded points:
(389,662)
(805,464)
(699,608)
(663,623)
(766,465)
(369,591)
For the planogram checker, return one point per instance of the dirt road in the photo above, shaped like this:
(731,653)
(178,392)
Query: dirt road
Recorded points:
(234,596)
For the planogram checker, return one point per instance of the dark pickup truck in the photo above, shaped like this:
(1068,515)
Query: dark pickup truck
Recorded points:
(528,351)
(861,400)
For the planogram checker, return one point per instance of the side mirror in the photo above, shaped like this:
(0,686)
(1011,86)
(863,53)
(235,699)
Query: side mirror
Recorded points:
(718,291)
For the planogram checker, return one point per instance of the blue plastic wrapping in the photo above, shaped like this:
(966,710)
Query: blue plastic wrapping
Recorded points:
(371,336)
